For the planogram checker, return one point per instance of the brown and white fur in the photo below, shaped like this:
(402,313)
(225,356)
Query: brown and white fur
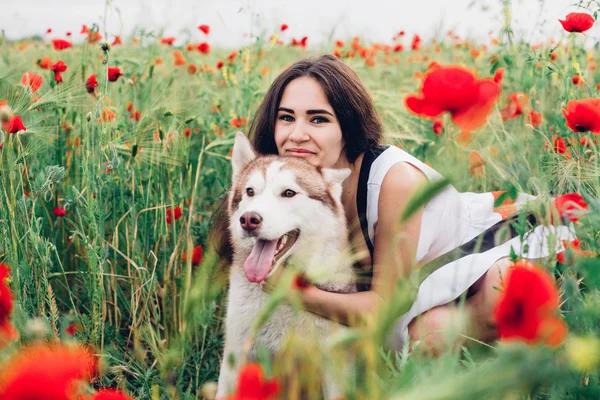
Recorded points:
(315,215)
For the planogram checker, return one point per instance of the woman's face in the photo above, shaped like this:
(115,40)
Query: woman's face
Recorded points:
(307,127)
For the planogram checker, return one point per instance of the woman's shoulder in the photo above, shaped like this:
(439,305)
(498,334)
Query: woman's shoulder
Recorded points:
(399,161)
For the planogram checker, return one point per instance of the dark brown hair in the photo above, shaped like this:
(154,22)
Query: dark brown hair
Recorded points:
(361,126)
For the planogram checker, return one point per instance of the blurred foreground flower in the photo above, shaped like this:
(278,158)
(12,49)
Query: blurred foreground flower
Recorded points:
(253,386)
(528,306)
(457,90)
(48,372)
(7,332)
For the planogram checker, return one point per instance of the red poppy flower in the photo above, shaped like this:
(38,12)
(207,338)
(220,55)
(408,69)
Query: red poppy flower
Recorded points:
(196,255)
(167,40)
(438,126)
(204,48)
(238,122)
(61,44)
(283,27)
(84,29)
(457,90)
(44,63)
(558,144)
(577,81)
(14,125)
(91,83)
(187,132)
(535,118)
(58,67)
(6,301)
(110,394)
(205,29)
(574,248)
(220,64)
(117,40)
(178,58)
(173,213)
(49,30)
(59,211)
(107,115)
(583,115)
(253,386)
(34,81)
(527,306)
(416,42)
(48,372)
(498,75)
(69,33)
(114,73)
(577,22)
(72,329)
(518,102)
(567,203)
(587,142)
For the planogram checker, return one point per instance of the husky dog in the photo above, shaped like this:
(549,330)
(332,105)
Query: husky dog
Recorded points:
(282,210)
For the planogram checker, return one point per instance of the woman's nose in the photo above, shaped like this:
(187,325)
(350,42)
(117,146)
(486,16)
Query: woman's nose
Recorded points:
(299,132)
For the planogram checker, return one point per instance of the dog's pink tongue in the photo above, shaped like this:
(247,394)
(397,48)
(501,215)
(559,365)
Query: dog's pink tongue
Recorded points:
(259,262)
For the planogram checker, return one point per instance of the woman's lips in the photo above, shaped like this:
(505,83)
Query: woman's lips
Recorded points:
(300,153)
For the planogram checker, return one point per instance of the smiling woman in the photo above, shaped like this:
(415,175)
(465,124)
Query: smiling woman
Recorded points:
(319,110)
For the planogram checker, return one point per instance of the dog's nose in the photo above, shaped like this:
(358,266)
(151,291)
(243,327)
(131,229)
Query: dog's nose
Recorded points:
(250,221)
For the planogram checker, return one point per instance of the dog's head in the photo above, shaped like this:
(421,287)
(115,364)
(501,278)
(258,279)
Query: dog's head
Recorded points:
(279,206)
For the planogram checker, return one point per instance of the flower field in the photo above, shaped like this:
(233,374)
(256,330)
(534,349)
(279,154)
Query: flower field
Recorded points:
(115,153)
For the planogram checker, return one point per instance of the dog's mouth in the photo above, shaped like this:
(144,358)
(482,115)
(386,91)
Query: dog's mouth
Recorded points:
(265,255)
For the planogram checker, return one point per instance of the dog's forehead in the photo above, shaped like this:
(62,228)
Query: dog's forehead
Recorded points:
(279,171)
(282,170)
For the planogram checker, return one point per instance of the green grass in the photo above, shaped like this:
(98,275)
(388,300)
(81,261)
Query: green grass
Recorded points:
(113,265)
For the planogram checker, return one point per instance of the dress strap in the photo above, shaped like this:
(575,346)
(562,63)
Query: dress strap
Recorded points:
(361,194)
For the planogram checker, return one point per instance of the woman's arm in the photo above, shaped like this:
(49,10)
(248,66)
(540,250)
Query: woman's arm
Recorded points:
(345,308)
(395,249)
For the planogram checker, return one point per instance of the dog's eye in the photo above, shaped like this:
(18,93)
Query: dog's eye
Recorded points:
(288,193)
(250,192)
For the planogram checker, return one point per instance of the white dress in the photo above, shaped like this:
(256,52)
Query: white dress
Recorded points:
(453,220)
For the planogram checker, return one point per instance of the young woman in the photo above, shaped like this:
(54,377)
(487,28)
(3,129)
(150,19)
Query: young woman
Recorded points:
(318,109)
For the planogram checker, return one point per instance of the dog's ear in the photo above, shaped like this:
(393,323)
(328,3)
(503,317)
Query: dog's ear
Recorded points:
(242,154)
(335,177)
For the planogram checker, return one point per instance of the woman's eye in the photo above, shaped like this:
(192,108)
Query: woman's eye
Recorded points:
(286,117)
(288,193)
(320,120)
(250,192)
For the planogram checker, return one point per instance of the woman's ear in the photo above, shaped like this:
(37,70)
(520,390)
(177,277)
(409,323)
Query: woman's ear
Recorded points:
(241,155)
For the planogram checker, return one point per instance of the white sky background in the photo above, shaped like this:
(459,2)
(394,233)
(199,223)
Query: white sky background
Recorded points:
(232,20)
